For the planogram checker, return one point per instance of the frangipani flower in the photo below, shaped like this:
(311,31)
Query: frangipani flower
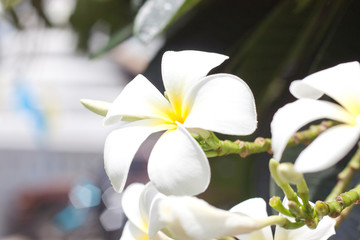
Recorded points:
(256,208)
(136,202)
(341,83)
(190,218)
(177,165)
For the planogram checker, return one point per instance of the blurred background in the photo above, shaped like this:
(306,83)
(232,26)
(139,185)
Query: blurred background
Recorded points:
(55,52)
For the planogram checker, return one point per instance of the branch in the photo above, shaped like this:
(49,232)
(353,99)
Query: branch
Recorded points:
(334,208)
(244,149)
(345,176)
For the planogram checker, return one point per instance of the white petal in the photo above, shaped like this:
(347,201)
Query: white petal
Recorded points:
(160,236)
(254,208)
(177,164)
(327,149)
(262,234)
(324,230)
(155,222)
(131,205)
(341,82)
(290,118)
(149,194)
(121,146)
(139,99)
(136,202)
(193,219)
(182,69)
(222,103)
(131,232)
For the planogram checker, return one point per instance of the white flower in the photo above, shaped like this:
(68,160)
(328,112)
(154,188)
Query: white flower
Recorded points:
(136,202)
(342,84)
(191,218)
(177,165)
(256,208)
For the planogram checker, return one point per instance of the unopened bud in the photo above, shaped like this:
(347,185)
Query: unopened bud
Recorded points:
(288,174)
(321,208)
(312,222)
(276,203)
(96,106)
(295,209)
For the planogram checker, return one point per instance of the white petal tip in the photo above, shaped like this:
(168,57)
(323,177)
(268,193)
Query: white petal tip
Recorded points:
(302,168)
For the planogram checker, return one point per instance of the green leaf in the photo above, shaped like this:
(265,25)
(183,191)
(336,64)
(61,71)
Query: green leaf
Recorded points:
(285,45)
(117,38)
(114,15)
(38,6)
(9,4)
(156,15)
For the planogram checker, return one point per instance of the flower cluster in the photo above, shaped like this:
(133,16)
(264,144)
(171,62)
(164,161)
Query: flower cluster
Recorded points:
(194,106)
(152,214)
(342,84)
(177,165)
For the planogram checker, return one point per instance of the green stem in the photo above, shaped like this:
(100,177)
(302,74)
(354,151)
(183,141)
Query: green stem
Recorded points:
(345,176)
(288,191)
(244,149)
(343,215)
(303,192)
(287,173)
(276,203)
(307,136)
(341,202)
(281,221)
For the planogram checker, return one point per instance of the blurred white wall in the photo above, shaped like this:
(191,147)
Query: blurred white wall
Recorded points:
(46,135)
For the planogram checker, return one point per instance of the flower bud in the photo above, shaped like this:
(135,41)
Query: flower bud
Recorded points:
(288,174)
(96,106)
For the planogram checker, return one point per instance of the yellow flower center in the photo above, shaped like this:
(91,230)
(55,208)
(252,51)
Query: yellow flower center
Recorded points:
(143,237)
(178,113)
(145,229)
(353,107)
